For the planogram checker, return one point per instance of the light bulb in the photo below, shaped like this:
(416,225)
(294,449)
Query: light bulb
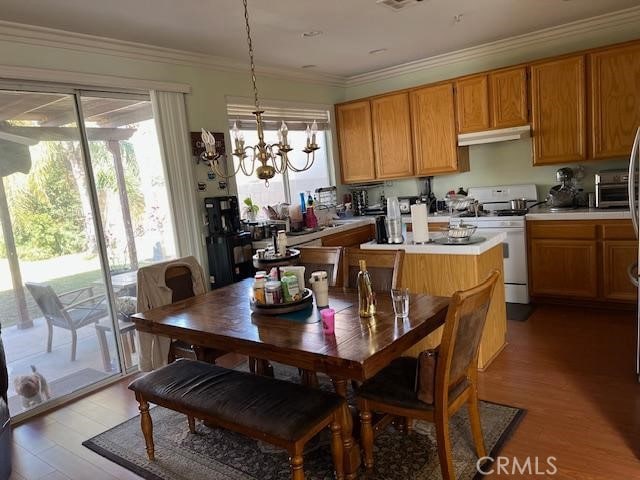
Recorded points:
(284,131)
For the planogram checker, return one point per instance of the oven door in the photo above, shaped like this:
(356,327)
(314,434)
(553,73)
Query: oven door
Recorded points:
(514,253)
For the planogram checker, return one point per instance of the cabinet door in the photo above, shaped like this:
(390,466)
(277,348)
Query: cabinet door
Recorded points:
(563,268)
(472,104)
(617,255)
(392,136)
(615,100)
(434,131)
(355,142)
(508,94)
(558,111)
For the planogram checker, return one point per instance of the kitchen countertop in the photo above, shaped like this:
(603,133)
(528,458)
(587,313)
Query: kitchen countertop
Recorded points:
(343,225)
(543,213)
(492,239)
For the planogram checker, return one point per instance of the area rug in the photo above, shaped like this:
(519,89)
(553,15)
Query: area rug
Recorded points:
(63,386)
(217,454)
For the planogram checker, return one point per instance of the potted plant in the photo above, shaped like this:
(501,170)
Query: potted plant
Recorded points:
(250,209)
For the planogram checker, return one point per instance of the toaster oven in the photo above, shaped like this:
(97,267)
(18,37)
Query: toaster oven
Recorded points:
(612,188)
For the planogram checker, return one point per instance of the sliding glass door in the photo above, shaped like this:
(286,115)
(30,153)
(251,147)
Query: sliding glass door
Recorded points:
(83,201)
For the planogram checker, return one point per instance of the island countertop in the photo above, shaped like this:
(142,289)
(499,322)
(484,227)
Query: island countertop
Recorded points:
(491,240)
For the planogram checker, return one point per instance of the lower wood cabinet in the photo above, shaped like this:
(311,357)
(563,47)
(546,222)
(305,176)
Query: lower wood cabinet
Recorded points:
(564,267)
(617,255)
(581,260)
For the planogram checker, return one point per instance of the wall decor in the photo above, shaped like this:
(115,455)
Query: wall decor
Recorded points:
(198,147)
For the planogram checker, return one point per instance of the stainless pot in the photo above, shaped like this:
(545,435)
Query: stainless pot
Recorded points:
(518,204)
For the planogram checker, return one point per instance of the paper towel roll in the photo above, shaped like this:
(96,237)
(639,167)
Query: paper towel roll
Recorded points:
(419,223)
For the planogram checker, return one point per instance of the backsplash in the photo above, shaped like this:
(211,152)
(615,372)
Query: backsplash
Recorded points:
(505,163)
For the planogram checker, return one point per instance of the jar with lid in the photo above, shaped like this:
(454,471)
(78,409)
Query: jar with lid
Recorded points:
(273,292)
(259,283)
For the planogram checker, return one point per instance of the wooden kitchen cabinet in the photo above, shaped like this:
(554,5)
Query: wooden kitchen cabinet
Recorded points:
(617,255)
(581,260)
(351,238)
(508,95)
(615,100)
(558,109)
(494,100)
(433,122)
(472,103)
(564,268)
(392,136)
(355,141)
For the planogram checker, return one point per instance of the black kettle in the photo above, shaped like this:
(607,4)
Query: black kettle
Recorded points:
(381,230)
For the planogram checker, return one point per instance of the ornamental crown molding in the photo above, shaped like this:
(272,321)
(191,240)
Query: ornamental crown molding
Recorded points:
(42,36)
(629,16)
(51,37)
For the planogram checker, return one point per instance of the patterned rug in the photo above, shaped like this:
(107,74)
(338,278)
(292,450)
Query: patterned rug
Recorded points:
(217,454)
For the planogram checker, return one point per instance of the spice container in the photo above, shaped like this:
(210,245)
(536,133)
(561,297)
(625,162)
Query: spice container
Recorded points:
(259,283)
(273,292)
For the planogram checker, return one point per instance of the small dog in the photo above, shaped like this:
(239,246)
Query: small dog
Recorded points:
(32,388)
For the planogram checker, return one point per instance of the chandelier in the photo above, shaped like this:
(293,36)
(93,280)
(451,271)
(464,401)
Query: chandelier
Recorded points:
(272,158)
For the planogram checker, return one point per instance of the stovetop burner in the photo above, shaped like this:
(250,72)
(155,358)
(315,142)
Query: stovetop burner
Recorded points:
(511,212)
(467,214)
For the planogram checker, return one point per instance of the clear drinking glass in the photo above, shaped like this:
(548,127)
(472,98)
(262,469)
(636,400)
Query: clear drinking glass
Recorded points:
(400,298)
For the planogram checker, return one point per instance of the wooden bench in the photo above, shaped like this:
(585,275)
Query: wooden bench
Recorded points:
(282,413)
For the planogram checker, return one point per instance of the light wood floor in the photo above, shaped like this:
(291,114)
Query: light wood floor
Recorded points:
(572,369)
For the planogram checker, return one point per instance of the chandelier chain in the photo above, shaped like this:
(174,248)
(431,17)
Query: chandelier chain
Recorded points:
(253,66)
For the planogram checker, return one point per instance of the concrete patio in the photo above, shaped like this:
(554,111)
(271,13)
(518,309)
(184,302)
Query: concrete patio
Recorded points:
(27,347)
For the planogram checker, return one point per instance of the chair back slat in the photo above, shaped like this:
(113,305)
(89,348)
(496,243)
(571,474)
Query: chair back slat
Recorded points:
(463,331)
(384,267)
(321,258)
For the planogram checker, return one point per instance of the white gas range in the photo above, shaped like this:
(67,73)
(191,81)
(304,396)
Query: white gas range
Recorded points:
(495,200)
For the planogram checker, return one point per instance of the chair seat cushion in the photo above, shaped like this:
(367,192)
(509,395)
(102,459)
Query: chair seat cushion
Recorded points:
(282,409)
(395,385)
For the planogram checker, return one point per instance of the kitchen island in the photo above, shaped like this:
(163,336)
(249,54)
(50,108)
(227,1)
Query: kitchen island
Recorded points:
(443,269)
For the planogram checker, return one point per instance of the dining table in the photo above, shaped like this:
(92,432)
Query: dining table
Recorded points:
(360,347)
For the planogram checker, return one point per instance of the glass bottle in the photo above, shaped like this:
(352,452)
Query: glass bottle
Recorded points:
(366,305)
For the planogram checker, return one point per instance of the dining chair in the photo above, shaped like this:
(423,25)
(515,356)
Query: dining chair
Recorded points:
(384,267)
(179,280)
(321,258)
(452,381)
(70,310)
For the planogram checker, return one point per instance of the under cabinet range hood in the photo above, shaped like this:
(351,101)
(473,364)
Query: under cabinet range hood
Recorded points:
(492,136)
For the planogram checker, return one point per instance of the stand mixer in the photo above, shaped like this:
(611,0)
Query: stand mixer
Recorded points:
(563,196)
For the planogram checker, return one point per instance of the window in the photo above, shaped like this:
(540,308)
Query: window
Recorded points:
(287,187)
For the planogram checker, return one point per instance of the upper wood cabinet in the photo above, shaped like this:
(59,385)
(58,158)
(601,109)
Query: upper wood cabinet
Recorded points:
(433,124)
(508,95)
(558,111)
(392,136)
(615,100)
(355,141)
(494,100)
(472,104)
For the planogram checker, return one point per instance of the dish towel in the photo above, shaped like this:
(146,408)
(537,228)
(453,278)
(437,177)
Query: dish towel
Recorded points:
(153,293)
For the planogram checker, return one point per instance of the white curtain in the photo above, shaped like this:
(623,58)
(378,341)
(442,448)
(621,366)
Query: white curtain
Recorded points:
(173,134)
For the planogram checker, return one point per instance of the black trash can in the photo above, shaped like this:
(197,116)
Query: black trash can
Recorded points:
(5,426)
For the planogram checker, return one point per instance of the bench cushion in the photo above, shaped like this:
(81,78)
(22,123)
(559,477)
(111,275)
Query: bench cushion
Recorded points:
(282,409)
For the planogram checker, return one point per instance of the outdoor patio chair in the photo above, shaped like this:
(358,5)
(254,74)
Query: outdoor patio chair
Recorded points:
(70,310)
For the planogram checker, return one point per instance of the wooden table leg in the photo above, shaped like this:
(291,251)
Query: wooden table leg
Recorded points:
(351,448)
